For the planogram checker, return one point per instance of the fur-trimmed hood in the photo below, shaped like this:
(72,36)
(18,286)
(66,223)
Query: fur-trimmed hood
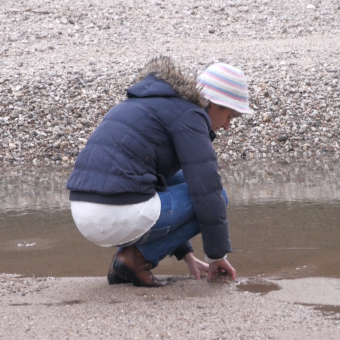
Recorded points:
(185,86)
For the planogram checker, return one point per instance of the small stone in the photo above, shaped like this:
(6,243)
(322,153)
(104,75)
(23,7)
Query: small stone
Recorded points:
(303,128)
(57,144)
(267,117)
(64,20)
(282,138)
(310,6)
(249,116)
(12,146)
(12,38)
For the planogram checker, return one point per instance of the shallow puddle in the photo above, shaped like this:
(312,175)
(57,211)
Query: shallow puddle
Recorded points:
(258,287)
(326,310)
(284,223)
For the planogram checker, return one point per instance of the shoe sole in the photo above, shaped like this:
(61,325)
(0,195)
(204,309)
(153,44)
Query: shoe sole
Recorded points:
(114,279)
(125,272)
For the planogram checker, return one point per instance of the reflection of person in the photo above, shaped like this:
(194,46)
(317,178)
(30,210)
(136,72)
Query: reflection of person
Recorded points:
(127,189)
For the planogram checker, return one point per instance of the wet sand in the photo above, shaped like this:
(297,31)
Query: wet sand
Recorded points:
(73,308)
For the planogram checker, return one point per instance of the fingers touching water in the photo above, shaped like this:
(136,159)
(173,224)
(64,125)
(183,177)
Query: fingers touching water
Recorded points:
(198,267)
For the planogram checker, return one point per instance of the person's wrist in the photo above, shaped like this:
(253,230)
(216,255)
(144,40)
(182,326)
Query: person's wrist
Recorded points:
(209,260)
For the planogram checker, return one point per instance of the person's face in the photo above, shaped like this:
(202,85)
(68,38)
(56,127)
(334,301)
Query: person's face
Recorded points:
(220,116)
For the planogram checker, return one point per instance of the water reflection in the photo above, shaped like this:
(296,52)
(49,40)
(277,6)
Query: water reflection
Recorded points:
(245,182)
(281,181)
(34,188)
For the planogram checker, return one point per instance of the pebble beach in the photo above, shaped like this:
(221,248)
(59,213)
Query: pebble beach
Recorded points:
(64,64)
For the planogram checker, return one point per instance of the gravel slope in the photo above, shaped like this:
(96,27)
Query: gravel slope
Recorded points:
(63,64)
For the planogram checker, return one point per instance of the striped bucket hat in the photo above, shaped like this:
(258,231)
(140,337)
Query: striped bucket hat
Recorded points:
(225,85)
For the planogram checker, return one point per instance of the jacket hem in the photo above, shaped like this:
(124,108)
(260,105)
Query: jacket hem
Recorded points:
(117,199)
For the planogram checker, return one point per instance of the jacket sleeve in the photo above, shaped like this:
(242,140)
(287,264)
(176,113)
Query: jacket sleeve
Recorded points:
(190,135)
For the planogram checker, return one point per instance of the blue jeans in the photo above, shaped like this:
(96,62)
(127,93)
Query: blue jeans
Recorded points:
(176,224)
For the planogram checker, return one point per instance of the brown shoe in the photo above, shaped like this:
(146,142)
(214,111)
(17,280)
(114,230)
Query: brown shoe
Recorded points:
(130,265)
(113,278)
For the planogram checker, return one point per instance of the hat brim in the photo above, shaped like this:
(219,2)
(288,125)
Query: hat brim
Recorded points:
(238,109)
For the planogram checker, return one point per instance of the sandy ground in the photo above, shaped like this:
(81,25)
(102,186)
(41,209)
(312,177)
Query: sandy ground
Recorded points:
(73,308)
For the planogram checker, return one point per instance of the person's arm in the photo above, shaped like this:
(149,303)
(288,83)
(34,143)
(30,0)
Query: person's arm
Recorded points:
(190,135)
(194,149)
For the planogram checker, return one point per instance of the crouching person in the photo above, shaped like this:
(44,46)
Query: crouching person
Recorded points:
(147,180)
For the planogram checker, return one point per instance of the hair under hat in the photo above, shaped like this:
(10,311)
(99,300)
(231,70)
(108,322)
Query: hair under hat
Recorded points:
(225,85)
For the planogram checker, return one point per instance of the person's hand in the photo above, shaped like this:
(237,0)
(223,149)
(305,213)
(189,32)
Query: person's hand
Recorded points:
(195,266)
(220,266)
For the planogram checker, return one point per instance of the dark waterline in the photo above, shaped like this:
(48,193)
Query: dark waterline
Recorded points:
(283,223)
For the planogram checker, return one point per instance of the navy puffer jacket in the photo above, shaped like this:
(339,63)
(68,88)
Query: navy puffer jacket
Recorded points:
(146,139)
